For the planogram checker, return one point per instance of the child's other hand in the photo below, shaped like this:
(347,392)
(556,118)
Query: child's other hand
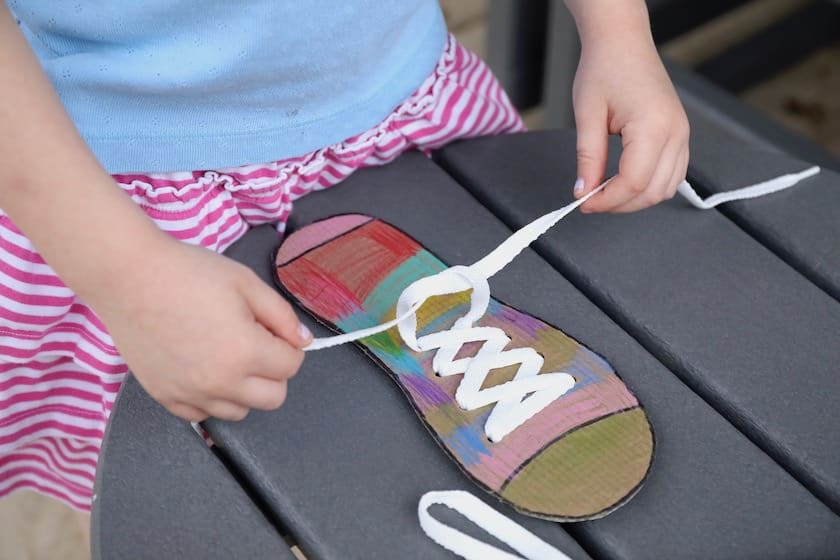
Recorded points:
(621,87)
(203,334)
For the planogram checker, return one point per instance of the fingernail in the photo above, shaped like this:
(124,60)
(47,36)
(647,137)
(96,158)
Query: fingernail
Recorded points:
(305,333)
(578,186)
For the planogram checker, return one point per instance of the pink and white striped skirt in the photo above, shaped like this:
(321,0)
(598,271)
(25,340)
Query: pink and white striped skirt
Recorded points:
(59,370)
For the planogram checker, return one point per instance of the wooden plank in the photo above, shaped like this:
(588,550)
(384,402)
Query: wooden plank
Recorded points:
(744,330)
(712,107)
(344,461)
(161,493)
(800,225)
(775,48)
(670,18)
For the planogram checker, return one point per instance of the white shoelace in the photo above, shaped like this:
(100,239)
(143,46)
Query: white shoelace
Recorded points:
(513,406)
(506,530)
(469,393)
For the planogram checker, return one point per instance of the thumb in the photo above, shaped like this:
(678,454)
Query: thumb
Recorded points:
(592,137)
(275,313)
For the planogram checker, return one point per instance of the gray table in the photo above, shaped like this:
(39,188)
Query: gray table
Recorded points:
(725,337)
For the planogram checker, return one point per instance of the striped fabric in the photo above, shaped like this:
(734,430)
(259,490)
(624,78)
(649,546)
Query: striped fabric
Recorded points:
(59,370)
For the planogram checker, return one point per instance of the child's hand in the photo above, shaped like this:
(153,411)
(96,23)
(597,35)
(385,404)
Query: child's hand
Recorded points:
(621,87)
(203,334)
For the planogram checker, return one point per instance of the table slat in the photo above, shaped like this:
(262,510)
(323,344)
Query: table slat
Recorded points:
(345,460)
(746,331)
(161,493)
(801,225)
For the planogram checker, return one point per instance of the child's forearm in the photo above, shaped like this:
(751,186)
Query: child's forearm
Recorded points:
(604,20)
(51,185)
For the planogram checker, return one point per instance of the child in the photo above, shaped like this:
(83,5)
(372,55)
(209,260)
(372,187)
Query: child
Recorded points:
(177,106)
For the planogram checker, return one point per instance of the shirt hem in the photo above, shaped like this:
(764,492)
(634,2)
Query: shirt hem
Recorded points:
(169,153)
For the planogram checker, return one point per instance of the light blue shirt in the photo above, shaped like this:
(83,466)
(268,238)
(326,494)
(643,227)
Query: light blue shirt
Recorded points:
(166,85)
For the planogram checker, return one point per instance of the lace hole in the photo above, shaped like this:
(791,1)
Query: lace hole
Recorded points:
(577,380)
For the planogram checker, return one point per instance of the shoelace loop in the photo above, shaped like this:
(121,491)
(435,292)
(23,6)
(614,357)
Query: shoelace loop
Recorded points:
(530,546)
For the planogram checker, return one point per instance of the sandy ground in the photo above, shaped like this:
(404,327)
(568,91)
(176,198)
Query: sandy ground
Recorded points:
(33,527)
(804,97)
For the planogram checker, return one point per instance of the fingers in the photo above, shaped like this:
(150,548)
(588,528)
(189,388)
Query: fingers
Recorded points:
(250,393)
(681,172)
(239,397)
(653,163)
(638,163)
(252,371)
(274,358)
(260,393)
(188,412)
(274,312)
(592,146)
(661,186)
(227,410)
(252,375)
(229,395)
